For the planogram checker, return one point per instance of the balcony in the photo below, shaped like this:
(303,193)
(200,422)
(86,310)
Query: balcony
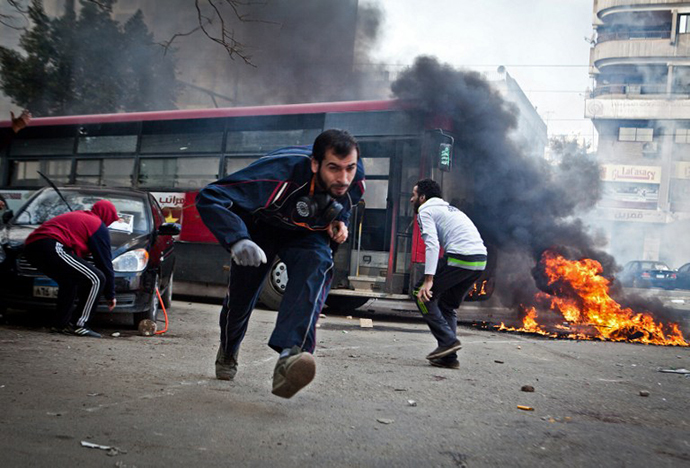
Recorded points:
(606,7)
(640,52)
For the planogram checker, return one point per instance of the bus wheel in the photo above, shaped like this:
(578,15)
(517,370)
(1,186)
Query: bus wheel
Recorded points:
(274,287)
(345,303)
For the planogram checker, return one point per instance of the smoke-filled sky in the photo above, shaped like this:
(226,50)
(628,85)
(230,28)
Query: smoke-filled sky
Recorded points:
(534,39)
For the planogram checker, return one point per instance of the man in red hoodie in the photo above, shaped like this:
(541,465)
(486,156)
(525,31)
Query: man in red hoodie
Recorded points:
(58,248)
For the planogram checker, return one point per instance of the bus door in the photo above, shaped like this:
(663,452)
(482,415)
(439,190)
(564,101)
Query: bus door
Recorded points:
(380,231)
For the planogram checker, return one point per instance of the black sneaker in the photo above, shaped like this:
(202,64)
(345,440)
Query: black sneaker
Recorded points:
(83,331)
(66,330)
(226,366)
(444,350)
(293,373)
(446,363)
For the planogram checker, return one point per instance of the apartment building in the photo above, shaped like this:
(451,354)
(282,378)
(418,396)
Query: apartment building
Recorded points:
(640,106)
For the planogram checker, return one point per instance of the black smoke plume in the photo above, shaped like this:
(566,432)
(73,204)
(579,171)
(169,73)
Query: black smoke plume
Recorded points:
(520,203)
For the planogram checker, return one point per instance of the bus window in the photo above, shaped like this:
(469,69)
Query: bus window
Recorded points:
(235,164)
(265,141)
(177,172)
(107,144)
(42,146)
(182,142)
(376,166)
(105,172)
(25,173)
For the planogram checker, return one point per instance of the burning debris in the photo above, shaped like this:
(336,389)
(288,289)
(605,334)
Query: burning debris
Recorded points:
(578,294)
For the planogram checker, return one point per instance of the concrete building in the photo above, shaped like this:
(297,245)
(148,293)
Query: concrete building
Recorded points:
(640,105)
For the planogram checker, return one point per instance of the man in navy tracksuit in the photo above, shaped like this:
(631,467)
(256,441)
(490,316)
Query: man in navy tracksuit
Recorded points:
(293,203)
(58,247)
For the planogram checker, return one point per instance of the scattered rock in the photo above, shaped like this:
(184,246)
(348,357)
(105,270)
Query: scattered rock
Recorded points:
(527,388)
(385,421)
(366,323)
(644,393)
(116,334)
(498,362)
(411,403)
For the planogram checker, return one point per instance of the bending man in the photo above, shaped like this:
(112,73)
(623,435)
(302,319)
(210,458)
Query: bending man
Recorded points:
(447,280)
(58,247)
(295,204)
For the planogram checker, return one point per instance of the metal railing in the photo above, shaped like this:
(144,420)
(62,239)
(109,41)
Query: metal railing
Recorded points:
(604,36)
(635,90)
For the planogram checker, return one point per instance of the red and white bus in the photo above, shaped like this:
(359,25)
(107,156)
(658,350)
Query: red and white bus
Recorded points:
(173,154)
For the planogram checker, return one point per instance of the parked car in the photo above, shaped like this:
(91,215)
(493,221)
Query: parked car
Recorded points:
(142,250)
(647,274)
(683,277)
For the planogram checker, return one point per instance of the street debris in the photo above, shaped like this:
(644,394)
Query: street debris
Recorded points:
(438,378)
(527,388)
(349,317)
(147,327)
(112,451)
(322,316)
(675,371)
(94,394)
(411,403)
(498,362)
(644,393)
(345,332)
(366,323)
(525,408)
(385,421)
(116,334)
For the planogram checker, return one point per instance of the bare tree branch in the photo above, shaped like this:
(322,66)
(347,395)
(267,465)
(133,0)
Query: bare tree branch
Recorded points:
(10,20)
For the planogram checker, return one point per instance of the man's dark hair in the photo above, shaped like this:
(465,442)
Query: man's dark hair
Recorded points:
(340,141)
(429,188)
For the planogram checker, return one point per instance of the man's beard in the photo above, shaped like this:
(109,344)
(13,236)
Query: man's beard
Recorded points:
(323,186)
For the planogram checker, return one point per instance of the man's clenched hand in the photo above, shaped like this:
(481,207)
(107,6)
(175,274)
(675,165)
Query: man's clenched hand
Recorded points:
(247,253)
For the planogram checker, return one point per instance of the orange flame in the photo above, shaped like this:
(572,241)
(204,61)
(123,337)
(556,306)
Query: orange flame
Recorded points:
(581,297)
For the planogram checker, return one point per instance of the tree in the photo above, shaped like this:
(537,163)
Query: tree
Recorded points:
(87,63)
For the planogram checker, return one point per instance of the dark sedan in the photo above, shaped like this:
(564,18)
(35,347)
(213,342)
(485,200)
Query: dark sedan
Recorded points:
(142,250)
(683,277)
(647,274)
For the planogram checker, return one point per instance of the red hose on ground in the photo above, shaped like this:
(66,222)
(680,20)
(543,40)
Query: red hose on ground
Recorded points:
(165,313)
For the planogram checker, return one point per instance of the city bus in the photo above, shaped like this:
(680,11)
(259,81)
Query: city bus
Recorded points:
(172,154)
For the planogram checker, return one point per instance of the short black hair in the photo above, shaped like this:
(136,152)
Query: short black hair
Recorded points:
(339,141)
(429,188)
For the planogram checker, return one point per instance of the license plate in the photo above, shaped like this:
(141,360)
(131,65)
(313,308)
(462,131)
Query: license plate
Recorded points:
(661,276)
(44,287)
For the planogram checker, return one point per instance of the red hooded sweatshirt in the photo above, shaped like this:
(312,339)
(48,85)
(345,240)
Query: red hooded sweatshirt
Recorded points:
(84,232)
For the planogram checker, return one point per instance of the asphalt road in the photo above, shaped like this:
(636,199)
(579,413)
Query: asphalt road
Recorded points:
(375,400)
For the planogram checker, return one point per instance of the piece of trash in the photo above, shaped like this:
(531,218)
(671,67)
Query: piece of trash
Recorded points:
(525,408)
(519,347)
(675,371)
(385,421)
(352,355)
(498,362)
(345,331)
(116,334)
(366,323)
(349,317)
(54,414)
(322,316)
(411,403)
(527,388)
(94,394)
(644,393)
(112,451)
(318,325)
(439,378)
(399,389)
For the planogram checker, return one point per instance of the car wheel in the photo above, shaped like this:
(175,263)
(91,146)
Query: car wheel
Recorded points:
(152,311)
(274,287)
(167,295)
(345,303)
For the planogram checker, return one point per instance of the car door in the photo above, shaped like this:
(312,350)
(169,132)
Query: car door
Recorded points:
(162,248)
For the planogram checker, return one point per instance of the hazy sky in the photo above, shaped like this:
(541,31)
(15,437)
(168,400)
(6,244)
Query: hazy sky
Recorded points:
(540,42)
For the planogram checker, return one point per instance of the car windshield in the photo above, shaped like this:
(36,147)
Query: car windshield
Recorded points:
(653,266)
(48,204)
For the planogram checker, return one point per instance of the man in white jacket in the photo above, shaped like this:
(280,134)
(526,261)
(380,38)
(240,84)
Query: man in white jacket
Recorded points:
(448,279)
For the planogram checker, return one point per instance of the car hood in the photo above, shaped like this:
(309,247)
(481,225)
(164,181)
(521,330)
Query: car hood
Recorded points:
(120,242)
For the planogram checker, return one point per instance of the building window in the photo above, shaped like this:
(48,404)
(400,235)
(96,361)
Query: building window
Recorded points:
(683,24)
(635,134)
(682,135)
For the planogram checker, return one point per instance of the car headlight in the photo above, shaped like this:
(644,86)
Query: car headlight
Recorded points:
(134,260)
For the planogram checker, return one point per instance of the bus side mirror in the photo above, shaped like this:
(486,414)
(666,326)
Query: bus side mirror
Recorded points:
(445,156)
(7,216)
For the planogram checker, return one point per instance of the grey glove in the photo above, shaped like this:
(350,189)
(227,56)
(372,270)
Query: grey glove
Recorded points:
(247,253)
